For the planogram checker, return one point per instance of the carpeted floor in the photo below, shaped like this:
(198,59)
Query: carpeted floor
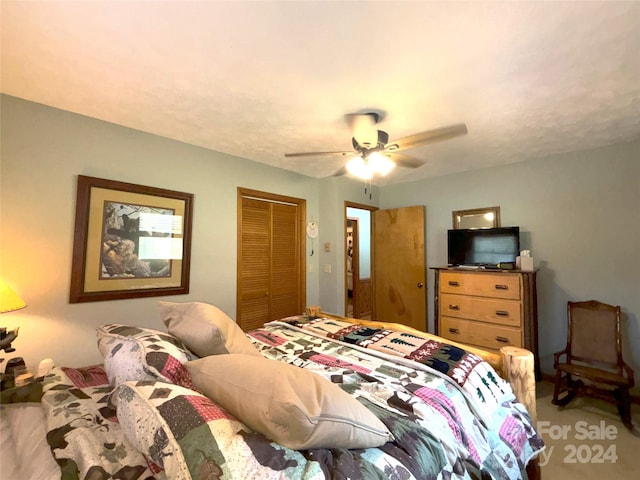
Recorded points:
(586,439)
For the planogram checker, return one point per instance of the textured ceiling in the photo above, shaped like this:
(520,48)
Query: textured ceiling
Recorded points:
(258,79)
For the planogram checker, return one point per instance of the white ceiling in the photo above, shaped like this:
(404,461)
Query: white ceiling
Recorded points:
(258,79)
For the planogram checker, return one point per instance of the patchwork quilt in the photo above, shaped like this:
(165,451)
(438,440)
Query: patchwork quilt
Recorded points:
(468,370)
(426,394)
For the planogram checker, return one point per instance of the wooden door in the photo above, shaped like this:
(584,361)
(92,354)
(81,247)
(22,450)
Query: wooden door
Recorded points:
(400,266)
(353,269)
(271,273)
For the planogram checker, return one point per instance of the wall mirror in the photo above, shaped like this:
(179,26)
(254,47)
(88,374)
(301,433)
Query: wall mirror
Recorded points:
(488,217)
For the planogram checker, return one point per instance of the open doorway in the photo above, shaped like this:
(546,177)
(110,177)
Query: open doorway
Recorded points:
(358,261)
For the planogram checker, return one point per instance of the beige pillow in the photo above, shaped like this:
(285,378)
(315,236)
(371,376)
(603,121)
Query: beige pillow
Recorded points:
(205,329)
(294,407)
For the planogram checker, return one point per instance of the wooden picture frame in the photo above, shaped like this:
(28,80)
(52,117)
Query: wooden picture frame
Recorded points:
(488,217)
(130,241)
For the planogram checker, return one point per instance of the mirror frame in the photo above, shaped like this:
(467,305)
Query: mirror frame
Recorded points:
(459,215)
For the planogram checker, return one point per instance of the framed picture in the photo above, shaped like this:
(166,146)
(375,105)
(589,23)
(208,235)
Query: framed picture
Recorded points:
(130,241)
(488,217)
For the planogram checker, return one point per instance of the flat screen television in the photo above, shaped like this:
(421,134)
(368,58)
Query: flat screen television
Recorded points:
(483,246)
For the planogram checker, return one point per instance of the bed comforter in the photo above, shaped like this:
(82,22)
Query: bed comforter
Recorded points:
(458,420)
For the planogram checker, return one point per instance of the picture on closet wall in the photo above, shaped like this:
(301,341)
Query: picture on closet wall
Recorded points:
(130,241)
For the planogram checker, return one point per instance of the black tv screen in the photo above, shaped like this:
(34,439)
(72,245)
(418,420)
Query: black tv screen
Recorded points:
(484,246)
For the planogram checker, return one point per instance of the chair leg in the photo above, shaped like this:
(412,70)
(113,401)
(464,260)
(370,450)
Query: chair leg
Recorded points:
(623,400)
(571,391)
(556,388)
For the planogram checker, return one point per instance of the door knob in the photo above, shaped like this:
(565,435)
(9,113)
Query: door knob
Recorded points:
(420,284)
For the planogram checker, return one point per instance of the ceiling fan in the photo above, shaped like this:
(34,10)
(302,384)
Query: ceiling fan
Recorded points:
(373,153)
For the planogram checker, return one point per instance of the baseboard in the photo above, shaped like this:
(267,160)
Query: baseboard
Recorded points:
(547,377)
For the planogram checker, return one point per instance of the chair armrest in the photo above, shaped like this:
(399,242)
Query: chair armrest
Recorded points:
(629,372)
(556,357)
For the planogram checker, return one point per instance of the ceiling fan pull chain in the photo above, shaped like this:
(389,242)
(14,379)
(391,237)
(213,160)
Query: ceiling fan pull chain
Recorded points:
(367,181)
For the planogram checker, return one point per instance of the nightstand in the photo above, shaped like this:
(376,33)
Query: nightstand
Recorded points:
(30,392)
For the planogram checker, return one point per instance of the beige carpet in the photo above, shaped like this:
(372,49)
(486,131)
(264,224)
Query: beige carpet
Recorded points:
(586,439)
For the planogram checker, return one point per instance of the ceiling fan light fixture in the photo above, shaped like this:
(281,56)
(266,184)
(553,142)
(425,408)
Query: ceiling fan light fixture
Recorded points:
(359,168)
(379,163)
(375,154)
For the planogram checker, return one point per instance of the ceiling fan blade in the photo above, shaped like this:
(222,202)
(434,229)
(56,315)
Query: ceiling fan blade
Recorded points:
(424,138)
(339,173)
(317,154)
(402,160)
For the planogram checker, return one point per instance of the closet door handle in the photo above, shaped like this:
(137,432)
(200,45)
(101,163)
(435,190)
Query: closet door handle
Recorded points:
(502,339)
(454,330)
(454,307)
(454,284)
(502,313)
(502,287)
(420,284)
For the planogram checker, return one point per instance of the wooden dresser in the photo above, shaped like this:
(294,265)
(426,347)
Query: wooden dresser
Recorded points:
(487,308)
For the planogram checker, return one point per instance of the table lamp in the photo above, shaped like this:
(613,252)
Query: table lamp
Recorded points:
(9,302)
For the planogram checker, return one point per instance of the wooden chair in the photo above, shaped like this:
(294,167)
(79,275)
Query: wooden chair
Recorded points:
(594,363)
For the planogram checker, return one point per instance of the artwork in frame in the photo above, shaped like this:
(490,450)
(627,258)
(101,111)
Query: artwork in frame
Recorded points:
(130,241)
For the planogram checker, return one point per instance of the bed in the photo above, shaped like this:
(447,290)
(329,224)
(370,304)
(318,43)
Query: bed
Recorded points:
(312,396)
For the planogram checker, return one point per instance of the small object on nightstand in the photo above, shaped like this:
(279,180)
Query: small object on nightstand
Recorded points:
(13,364)
(22,376)
(44,367)
(16,363)
(20,393)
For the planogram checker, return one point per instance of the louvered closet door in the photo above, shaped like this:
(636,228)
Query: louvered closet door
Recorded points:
(270,264)
(255,263)
(285,296)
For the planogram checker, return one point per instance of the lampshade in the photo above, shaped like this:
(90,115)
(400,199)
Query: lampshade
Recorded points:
(372,164)
(9,300)
(379,163)
(359,168)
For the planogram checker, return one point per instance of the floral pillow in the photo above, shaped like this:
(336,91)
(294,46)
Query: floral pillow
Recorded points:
(137,353)
(183,432)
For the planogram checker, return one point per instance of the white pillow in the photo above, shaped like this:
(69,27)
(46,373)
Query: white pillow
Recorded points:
(294,407)
(205,329)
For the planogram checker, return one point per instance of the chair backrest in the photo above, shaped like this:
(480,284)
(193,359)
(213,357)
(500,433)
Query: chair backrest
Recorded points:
(594,334)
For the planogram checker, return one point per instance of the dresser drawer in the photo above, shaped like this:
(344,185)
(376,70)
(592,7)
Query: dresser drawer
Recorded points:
(499,311)
(486,336)
(481,285)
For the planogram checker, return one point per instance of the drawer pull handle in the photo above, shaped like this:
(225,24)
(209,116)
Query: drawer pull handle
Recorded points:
(502,287)
(454,307)
(502,313)
(454,284)
(502,339)
(454,330)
